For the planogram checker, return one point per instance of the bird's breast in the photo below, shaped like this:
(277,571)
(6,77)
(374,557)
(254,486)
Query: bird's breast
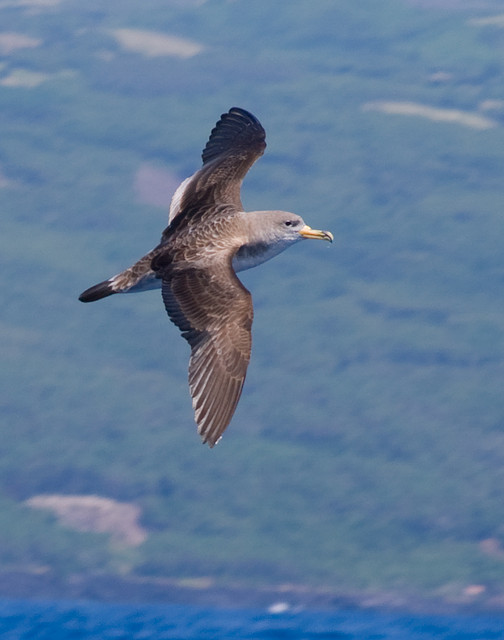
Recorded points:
(250,255)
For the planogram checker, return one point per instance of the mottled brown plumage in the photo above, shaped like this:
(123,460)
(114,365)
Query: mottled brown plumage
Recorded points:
(208,239)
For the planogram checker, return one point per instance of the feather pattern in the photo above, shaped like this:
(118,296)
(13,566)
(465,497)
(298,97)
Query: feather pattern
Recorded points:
(209,237)
(208,308)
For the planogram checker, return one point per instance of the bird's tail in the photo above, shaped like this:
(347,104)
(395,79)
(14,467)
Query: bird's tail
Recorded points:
(98,291)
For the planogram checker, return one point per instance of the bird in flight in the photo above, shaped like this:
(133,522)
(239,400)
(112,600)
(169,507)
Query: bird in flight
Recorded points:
(208,239)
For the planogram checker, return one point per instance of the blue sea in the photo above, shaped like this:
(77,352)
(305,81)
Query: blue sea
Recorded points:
(62,620)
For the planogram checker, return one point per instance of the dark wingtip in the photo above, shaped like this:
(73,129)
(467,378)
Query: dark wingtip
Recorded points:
(243,114)
(235,126)
(97,292)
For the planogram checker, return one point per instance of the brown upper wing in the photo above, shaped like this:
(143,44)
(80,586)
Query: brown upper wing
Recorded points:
(235,143)
(214,312)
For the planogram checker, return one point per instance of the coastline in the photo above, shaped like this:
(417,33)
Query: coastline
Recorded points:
(204,592)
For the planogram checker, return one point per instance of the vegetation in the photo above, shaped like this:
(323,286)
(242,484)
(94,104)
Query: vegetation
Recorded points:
(368,447)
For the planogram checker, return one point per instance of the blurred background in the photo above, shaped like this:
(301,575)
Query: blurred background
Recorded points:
(367,452)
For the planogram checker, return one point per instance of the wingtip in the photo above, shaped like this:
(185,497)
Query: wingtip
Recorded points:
(210,442)
(242,113)
(236,125)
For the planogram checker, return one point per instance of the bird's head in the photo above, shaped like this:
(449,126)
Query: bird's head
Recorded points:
(289,228)
(269,233)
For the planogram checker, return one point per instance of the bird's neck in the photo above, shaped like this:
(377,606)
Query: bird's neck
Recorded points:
(259,245)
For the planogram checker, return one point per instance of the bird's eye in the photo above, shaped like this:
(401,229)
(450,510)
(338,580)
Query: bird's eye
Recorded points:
(290,223)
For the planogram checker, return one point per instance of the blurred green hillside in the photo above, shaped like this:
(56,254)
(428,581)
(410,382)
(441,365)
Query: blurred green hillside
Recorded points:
(367,451)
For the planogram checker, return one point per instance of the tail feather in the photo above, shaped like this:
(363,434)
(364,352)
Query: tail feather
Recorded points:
(98,291)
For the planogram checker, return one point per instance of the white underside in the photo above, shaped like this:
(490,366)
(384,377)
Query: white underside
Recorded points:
(243,262)
(240,263)
(177,198)
(147,283)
